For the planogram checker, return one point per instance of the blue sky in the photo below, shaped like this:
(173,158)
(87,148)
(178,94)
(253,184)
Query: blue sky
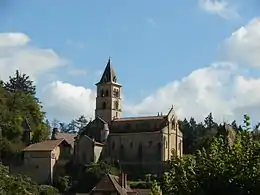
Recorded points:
(151,44)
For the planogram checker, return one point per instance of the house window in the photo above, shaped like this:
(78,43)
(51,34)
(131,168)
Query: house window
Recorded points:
(116,114)
(113,145)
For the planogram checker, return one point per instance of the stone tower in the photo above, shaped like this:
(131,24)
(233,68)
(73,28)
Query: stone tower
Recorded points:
(108,100)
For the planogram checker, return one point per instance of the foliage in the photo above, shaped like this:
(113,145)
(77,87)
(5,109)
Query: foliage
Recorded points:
(73,127)
(222,169)
(20,83)
(200,135)
(17,104)
(155,190)
(64,183)
(21,185)
(139,184)
(87,177)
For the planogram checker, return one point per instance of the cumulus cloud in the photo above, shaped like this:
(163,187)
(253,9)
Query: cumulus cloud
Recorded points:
(243,46)
(65,101)
(221,8)
(17,53)
(202,91)
(221,88)
(218,88)
(13,39)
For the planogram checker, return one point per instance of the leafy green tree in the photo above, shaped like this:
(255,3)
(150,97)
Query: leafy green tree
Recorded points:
(17,104)
(64,183)
(77,124)
(21,185)
(155,190)
(20,83)
(222,169)
(88,176)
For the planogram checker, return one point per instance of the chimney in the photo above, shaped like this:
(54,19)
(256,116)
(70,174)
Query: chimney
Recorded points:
(54,133)
(123,180)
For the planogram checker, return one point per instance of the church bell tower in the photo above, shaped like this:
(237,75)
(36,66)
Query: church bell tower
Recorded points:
(108,100)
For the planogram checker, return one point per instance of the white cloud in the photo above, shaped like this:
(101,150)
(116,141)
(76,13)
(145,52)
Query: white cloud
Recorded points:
(202,91)
(13,39)
(218,88)
(221,8)
(16,53)
(65,101)
(221,88)
(243,46)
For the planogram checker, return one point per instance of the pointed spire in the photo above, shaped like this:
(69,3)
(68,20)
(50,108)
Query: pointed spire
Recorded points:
(109,74)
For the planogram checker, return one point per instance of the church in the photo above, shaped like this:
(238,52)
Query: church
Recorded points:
(145,141)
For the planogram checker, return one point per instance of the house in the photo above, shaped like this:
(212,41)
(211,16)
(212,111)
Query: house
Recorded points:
(86,150)
(39,159)
(69,137)
(114,185)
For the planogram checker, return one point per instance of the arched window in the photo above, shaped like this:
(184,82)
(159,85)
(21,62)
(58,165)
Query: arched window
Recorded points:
(115,92)
(107,93)
(104,105)
(102,93)
(116,105)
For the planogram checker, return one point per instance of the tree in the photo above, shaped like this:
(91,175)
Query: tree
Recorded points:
(155,190)
(77,124)
(17,105)
(88,176)
(222,169)
(20,83)
(64,183)
(21,185)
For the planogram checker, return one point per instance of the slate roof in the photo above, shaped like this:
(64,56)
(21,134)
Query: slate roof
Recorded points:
(69,137)
(109,74)
(145,118)
(110,183)
(47,145)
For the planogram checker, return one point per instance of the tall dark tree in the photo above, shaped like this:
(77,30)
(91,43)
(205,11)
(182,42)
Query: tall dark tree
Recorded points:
(20,83)
(77,124)
(209,121)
